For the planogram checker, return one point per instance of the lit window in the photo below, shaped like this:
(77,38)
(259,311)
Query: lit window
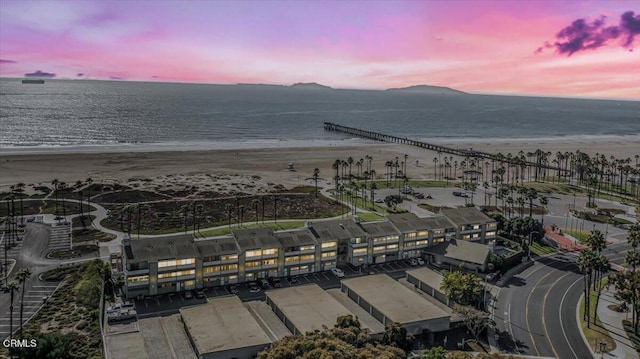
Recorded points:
(379,248)
(254,253)
(292,259)
(307,257)
(230,257)
(253,264)
(421,242)
(229,267)
(268,262)
(328,244)
(392,246)
(328,254)
(307,248)
(477,226)
(438,240)
(177,274)
(423,233)
(491,233)
(141,278)
(359,251)
(410,235)
(269,252)
(211,269)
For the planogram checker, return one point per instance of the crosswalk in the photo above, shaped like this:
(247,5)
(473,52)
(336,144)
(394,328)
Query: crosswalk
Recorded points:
(33,299)
(60,238)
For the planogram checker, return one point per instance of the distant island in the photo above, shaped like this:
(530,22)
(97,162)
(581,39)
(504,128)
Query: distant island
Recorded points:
(427,89)
(310,86)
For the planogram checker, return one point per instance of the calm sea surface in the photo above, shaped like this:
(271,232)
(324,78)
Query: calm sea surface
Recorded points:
(72,114)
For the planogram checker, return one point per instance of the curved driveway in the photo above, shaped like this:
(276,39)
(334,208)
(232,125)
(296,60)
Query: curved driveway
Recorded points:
(537,308)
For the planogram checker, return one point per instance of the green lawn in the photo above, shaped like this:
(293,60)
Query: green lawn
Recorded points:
(369,217)
(281,225)
(581,236)
(541,249)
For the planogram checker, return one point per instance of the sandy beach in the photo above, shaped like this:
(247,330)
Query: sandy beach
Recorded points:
(271,164)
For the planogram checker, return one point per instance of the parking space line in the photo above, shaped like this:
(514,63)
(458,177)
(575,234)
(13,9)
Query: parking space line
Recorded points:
(170,301)
(325,276)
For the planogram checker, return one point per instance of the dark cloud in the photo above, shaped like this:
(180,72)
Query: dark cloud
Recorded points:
(584,35)
(115,78)
(40,74)
(79,74)
(4,61)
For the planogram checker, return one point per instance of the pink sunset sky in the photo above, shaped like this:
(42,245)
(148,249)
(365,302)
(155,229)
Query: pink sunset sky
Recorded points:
(511,47)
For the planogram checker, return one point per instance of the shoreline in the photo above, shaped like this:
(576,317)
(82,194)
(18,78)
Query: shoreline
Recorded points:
(271,164)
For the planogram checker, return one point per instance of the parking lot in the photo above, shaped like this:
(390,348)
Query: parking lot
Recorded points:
(168,304)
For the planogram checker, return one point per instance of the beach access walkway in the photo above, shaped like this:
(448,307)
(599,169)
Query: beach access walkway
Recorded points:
(612,322)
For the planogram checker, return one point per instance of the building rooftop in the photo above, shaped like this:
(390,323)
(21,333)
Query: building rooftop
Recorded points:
(430,277)
(408,222)
(336,229)
(437,222)
(461,250)
(217,246)
(254,238)
(178,247)
(222,324)
(298,237)
(308,307)
(467,215)
(377,229)
(145,249)
(395,301)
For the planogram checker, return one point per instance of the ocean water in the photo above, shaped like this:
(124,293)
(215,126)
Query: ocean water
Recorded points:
(68,114)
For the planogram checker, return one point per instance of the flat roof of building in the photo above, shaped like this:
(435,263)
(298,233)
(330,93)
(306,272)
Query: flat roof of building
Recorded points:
(178,247)
(427,276)
(144,249)
(308,307)
(255,238)
(467,215)
(437,222)
(336,229)
(377,229)
(298,237)
(395,301)
(461,250)
(222,324)
(407,222)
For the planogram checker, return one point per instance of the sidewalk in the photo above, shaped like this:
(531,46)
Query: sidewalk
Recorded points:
(612,321)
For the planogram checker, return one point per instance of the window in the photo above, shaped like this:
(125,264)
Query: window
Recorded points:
(423,233)
(410,235)
(328,254)
(174,262)
(229,257)
(268,262)
(269,252)
(229,267)
(140,278)
(166,285)
(253,264)
(476,226)
(466,236)
(307,248)
(422,242)
(359,251)
(210,269)
(292,259)
(438,231)
(189,283)
(328,245)
(492,233)
(409,244)
(307,257)
(392,246)
(379,248)
(358,240)
(438,240)
(253,253)
(177,274)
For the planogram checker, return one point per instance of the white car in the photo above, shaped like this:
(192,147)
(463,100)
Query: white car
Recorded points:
(413,262)
(338,272)
(420,261)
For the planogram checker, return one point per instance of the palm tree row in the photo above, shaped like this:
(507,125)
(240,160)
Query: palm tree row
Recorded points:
(594,265)
(627,283)
(22,276)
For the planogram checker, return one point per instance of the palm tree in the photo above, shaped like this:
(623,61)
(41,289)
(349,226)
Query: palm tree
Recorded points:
(89,181)
(55,183)
(544,201)
(255,202)
(228,207)
(185,214)
(275,208)
(63,186)
(12,287)
(23,275)
(531,194)
(350,162)
(336,166)
(20,189)
(585,264)
(316,173)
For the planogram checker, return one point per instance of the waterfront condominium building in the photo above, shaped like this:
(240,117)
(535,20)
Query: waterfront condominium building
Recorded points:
(160,265)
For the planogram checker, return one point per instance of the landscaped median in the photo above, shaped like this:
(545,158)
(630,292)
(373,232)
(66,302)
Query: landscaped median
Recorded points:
(595,333)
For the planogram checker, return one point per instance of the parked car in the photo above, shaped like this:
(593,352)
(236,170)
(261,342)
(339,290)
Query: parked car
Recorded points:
(200,294)
(264,283)
(111,309)
(379,200)
(337,272)
(292,279)
(413,262)
(420,261)
(253,287)
(233,289)
(460,194)
(418,195)
(188,295)
(275,282)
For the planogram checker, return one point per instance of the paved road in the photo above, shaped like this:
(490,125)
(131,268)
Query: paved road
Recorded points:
(537,308)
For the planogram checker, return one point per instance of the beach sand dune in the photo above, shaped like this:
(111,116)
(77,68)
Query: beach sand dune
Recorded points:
(270,164)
